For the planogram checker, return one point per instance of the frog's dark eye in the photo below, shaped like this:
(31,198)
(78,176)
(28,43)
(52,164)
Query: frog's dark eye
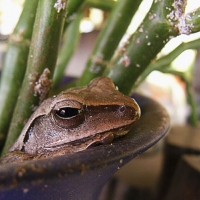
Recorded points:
(67,112)
(70,116)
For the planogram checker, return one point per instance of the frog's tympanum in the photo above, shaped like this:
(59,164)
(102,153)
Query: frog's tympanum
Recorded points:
(75,120)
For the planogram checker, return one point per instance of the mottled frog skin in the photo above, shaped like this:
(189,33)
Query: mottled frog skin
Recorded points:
(75,120)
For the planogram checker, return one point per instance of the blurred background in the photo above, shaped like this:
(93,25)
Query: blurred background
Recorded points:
(167,89)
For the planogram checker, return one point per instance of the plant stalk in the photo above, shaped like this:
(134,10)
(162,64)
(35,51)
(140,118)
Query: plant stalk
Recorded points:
(48,27)
(166,60)
(151,36)
(109,39)
(71,39)
(14,66)
(73,7)
(105,5)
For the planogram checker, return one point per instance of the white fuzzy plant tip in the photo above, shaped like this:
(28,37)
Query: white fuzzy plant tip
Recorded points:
(59,5)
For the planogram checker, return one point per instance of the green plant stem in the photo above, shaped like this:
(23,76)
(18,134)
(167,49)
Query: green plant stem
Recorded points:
(43,54)
(145,44)
(15,65)
(193,118)
(192,21)
(71,36)
(105,5)
(73,7)
(109,39)
(166,60)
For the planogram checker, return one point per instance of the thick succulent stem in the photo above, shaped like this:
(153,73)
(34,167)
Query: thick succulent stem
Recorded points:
(109,39)
(14,66)
(155,31)
(50,18)
(165,20)
(72,9)
(71,39)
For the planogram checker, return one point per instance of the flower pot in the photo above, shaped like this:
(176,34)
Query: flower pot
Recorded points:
(185,183)
(83,174)
(181,140)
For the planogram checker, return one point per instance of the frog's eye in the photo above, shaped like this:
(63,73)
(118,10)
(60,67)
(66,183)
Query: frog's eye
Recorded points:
(70,116)
(68,112)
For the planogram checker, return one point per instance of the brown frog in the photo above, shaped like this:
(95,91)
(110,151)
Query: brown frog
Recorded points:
(75,120)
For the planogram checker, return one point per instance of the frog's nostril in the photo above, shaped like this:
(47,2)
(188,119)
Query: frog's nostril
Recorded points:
(122,109)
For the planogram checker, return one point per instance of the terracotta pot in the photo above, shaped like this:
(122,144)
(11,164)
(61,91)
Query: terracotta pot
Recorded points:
(83,174)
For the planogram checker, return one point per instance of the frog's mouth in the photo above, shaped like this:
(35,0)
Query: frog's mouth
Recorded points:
(84,143)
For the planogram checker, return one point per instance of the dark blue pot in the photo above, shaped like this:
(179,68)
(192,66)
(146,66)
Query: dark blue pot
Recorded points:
(83,174)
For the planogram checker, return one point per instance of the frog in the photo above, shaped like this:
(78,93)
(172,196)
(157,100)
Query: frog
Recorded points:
(75,120)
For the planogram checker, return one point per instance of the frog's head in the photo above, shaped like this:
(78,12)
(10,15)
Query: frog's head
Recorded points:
(79,118)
